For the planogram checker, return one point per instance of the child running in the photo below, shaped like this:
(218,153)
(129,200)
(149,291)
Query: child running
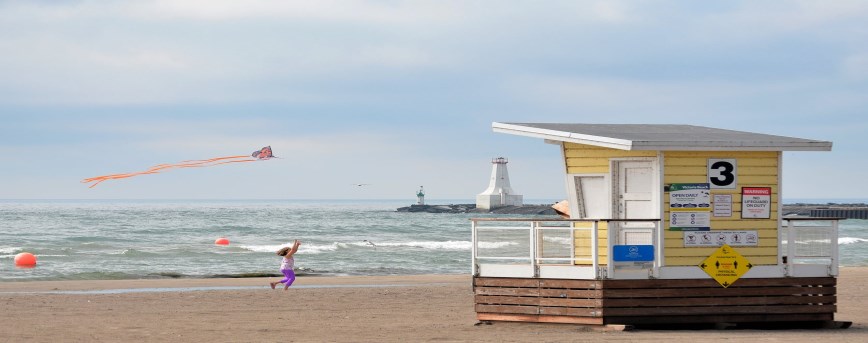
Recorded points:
(286,265)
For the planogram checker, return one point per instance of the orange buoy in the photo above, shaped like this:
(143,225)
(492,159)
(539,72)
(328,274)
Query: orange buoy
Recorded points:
(25,259)
(222,241)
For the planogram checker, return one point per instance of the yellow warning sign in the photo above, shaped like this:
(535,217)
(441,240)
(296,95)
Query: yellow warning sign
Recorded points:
(725,265)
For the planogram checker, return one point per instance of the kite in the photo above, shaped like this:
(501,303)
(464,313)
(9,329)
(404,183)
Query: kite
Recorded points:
(258,155)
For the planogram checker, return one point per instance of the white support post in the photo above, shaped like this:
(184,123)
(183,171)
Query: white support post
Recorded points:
(833,251)
(532,244)
(572,244)
(781,233)
(473,238)
(610,246)
(595,257)
(658,253)
(791,247)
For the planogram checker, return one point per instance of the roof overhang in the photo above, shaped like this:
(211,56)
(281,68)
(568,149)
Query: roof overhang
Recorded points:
(660,137)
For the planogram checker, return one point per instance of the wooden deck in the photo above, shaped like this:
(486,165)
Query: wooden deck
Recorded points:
(655,301)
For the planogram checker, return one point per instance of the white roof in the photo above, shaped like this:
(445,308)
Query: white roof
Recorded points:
(661,137)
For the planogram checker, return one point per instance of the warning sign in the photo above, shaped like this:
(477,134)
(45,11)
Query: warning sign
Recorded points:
(756,202)
(725,265)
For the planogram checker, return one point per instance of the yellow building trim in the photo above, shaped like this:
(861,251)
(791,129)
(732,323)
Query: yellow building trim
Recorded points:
(572,152)
(756,181)
(582,241)
(743,172)
(724,154)
(586,162)
(588,170)
(745,162)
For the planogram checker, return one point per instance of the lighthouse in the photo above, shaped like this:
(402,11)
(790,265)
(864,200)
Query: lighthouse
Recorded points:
(498,193)
(420,196)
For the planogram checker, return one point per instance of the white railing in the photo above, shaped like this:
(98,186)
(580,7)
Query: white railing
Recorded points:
(531,247)
(571,249)
(809,241)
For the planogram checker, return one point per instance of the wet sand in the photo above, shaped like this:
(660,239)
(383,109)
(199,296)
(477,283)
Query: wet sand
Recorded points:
(331,309)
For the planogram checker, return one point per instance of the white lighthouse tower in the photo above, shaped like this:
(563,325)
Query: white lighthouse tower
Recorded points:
(420,196)
(498,193)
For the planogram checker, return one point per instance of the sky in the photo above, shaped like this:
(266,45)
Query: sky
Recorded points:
(402,94)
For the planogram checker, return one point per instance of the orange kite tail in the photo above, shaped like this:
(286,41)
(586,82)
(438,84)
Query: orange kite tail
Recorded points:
(161,167)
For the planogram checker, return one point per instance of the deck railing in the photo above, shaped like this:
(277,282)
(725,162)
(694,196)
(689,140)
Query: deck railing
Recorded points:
(809,241)
(522,247)
(538,247)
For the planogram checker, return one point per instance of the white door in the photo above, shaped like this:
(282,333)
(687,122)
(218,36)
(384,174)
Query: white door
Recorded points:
(635,200)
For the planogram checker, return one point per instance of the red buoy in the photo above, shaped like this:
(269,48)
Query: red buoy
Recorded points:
(25,260)
(222,241)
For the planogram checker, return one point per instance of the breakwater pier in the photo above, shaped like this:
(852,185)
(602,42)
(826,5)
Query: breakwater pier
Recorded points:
(850,211)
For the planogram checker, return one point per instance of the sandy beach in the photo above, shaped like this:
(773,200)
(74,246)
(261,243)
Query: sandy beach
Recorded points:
(330,309)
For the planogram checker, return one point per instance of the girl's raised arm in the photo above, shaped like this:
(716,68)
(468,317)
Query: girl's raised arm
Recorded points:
(294,248)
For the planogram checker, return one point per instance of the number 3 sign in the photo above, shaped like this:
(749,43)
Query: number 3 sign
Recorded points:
(722,173)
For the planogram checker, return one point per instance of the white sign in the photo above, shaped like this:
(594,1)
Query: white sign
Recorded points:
(689,196)
(689,207)
(756,202)
(722,173)
(689,220)
(718,238)
(722,205)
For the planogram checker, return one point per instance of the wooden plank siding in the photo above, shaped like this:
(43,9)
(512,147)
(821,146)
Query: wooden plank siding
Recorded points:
(655,300)
(753,169)
(583,242)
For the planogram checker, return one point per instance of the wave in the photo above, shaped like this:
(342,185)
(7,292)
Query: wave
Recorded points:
(98,276)
(136,253)
(448,245)
(303,249)
(850,240)
(10,250)
(428,245)
(561,240)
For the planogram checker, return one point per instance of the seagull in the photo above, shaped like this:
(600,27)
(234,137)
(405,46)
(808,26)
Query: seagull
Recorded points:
(369,242)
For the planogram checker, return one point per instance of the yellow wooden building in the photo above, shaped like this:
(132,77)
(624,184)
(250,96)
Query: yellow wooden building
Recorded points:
(668,224)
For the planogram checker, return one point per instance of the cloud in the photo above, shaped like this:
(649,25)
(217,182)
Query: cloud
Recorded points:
(636,95)
(855,66)
(360,12)
(744,22)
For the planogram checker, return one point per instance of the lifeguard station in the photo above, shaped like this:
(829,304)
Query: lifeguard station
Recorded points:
(668,224)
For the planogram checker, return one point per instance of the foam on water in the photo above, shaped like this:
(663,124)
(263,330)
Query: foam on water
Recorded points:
(10,250)
(851,240)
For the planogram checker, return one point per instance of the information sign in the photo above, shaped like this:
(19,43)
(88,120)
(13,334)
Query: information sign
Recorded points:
(719,238)
(633,253)
(722,206)
(689,206)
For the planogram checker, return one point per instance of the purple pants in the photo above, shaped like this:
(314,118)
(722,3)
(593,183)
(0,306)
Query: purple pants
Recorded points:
(289,276)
